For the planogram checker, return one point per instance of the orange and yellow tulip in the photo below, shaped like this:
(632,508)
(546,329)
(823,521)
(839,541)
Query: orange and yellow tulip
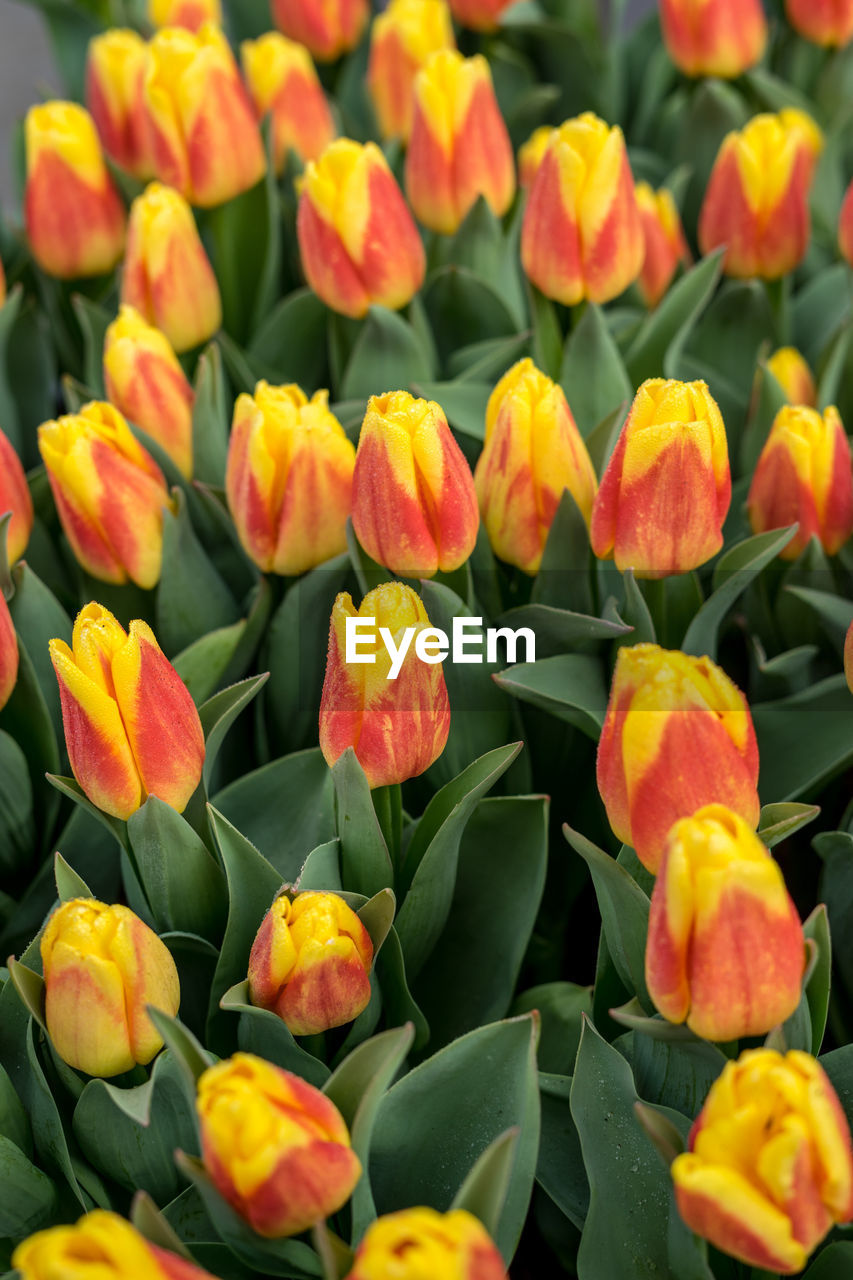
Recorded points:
(191,14)
(8,653)
(114,1247)
(714,37)
(794,376)
(438,1245)
(402,38)
(14,497)
(115,74)
(479,15)
(531,154)
(327,28)
(825,22)
(283,80)
(665,245)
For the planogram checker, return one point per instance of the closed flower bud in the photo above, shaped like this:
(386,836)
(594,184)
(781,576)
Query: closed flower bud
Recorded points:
(479,15)
(768,1170)
(398,726)
(100,1244)
(582,236)
(825,22)
(310,963)
(8,653)
(402,38)
(109,493)
(664,241)
(794,376)
(74,218)
(417,1243)
(845,226)
(203,135)
(803,475)
(714,37)
(357,240)
(532,452)
(667,487)
(289,478)
(531,154)
(677,735)
(131,727)
(167,275)
(146,383)
(327,28)
(191,14)
(459,148)
(276,1148)
(115,72)
(725,949)
(282,80)
(756,203)
(414,506)
(102,968)
(14,497)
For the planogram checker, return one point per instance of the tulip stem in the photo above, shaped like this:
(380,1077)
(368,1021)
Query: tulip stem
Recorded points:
(779,297)
(654,593)
(388,803)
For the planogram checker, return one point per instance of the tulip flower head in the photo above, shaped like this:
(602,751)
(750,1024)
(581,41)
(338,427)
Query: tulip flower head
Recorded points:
(479,15)
(435,1245)
(8,653)
(665,245)
(283,80)
(101,1244)
(131,727)
(824,22)
(14,497)
(768,1170)
(714,37)
(327,28)
(402,39)
(531,154)
(191,14)
(115,75)
(794,376)
(845,226)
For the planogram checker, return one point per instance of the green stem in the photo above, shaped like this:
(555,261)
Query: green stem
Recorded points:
(779,297)
(388,803)
(654,594)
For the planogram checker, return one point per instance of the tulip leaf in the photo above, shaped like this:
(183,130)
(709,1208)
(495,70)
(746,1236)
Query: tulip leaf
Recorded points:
(203,663)
(547,339)
(485,1188)
(69,884)
(633,1016)
(835,612)
(150,1223)
(93,321)
(657,347)
(210,418)
(666,1138)
(219,713)
(590,345)
(365,861)
(560,1169)
(462,308)
(192,1057)
(778,821)
(569,686)
(30,988)
(377,916)
(192,598)
(17,826)
(397,1000)
(263,1032)
(560,1006)
(71,787)
(676,1073)
(805,739)
(322,868)
(39,617)
(486,361)
(387,353)
(183,884)
(560,628)
(29,1200)
(835,848)
(292,340)
(832,1263)
(564,580)
(768,399)
(463,403)
(26,718)
(368,572)
(336,1257)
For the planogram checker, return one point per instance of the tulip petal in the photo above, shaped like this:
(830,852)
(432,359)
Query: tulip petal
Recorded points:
(85,1012)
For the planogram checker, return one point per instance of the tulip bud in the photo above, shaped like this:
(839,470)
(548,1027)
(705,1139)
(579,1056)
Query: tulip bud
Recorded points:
(8,653)
(102,967)
(14,497)
(397,726)
(276,1148)
(414,506)
(769,1169)
(479,15)
(289,478)
(756,203)
(167,275)
(131,727)
(582,236)
(327,29)
(357,240)
(531,154)
(825,22)
(803,475)
(532,452)
(845,226)
(402,38)
(203,134)
(310,963)
(725,949)
(115,72)
(433,1244)
(848,657)
(146,383)
(677,735)
(667,487)
(99,1244)
(282,80)
(714,37)
(459,148)
(191,14)
(794,376)
(665,246)
(74,218)
(109,493)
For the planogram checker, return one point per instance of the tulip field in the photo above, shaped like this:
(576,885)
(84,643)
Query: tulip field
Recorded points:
(426,643)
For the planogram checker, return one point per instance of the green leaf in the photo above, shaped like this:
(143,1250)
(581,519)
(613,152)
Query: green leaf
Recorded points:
(94,321)
(487,361)
(262,1032)
(192,598)
(805,739)
(26,718)
(322,868)
(17,827)
(560,1168)
(657,347)
(210,418)
(569,686)
(836,890)
(52,1145)
(676,1073)
(547,339)
(560,628)
(29,1200)
(292,340)
(462,309)
(816,928)
(71,788)
(484,1191)
(365,860)
(191,1056)
(182,882)
(464,404)
(219,713)
(397,1000)
(778,821)
(560,1006)
(387,353)
(832,1263)
(564,580)
(68,884)
(203,663)
(589,346)
(150,1223)
(834,611)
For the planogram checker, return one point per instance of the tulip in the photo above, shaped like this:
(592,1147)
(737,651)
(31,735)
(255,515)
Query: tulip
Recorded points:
(167,275)
(714,37)
(289,478)
(531,154)
(109,494)
(282,80)
(397,727)
(438,1245)
(74,218)
(794,376)
(532,452)
(8,653)
(825,22)
(725,949)
(582,236)
(665,246)
(357,240)
(479,15)
(845,226)
(769,1169)
(459,148)
(102,968)
(276,1148)
(804,475)
(203,135)
(191,14)
(14,497)
(115,71)
(102,1245)
(677,736)
(131,727)
(667,487)
(402,38)
(756,202)
(414,506)
(327,29)
(310,963)
(146,383)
